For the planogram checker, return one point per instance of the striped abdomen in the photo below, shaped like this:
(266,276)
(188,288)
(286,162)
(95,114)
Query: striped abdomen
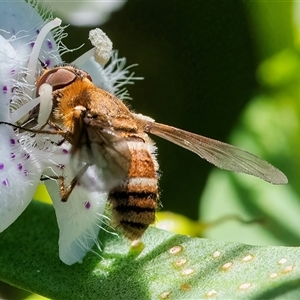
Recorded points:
(135,201)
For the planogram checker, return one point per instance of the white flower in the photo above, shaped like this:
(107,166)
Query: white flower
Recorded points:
(85,13)
(20,165)
(25,39)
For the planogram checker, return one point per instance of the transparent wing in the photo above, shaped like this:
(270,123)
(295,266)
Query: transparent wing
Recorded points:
(222,155)
(109,152)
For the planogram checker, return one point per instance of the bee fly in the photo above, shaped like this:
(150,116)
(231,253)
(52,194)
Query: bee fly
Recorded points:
(104,133)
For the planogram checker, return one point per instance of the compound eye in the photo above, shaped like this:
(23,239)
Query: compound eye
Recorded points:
(60,78)
(57,78)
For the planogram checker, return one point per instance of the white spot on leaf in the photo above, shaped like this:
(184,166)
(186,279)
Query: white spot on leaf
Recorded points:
(227,266)
(273,275)
(244,286)
(211,293)
(282,261)
(288,269)
(187,272)
(175,249)
(216,254)
(248,257)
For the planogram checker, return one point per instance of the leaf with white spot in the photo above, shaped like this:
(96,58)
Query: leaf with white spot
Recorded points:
(170,266)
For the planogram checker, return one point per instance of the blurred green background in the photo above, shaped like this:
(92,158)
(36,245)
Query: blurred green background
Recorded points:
(228,70)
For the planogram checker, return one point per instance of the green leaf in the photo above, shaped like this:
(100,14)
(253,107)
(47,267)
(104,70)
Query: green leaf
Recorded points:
(269,127)
(170,267)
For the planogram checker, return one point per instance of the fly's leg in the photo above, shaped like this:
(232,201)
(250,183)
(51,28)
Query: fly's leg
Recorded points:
(60,132)
(58,143)
(65,191)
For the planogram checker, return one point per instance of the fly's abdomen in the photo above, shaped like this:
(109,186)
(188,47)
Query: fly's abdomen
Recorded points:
(135,201)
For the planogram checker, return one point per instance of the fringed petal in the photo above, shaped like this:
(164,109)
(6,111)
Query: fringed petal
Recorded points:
(19,176)
(79,219)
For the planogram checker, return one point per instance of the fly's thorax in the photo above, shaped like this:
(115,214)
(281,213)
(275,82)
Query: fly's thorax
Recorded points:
(135,200)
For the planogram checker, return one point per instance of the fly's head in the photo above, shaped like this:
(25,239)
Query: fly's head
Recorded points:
(60,90)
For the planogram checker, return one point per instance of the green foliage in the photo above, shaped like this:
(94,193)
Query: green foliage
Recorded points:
(270,127)
(170,267)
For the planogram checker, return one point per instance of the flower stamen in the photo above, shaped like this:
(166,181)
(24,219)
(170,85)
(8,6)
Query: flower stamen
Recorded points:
(32,64)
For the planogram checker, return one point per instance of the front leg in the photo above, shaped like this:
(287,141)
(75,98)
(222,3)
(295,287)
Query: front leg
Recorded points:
(65,191)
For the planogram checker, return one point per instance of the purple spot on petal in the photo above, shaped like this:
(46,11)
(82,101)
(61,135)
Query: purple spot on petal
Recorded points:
(26,155)
(20,167)
(65,151)
(25,173)
(12,141)
(49,44)
(5,182)
(12,71)
(12,155)
(31,44)
(1,166)
(47,62)
(61,166)
(87,204)
(37,31)
(4,89)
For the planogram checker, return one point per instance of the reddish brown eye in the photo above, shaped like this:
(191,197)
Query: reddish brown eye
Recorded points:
(60,78)
(57,78)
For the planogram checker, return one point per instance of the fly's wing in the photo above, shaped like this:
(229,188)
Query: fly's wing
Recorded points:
(222,155)
(108,151)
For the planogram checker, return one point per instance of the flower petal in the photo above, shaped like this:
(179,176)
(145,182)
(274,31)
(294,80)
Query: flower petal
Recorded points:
(20,24)
(79,219)
(19,176)
(86,13)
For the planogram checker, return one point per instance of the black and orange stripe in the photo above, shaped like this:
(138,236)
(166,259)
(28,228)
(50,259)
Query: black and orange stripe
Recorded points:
(135,200)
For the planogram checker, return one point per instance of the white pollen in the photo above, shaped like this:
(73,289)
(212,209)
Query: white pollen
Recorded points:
(282,261)
(247,257)
(216,254)
(245,286)
(211,293)
(175,250)
(103,45)
(188,272)
(180,262)
(273,275)
(227,266)
(288,269)
(165,295)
